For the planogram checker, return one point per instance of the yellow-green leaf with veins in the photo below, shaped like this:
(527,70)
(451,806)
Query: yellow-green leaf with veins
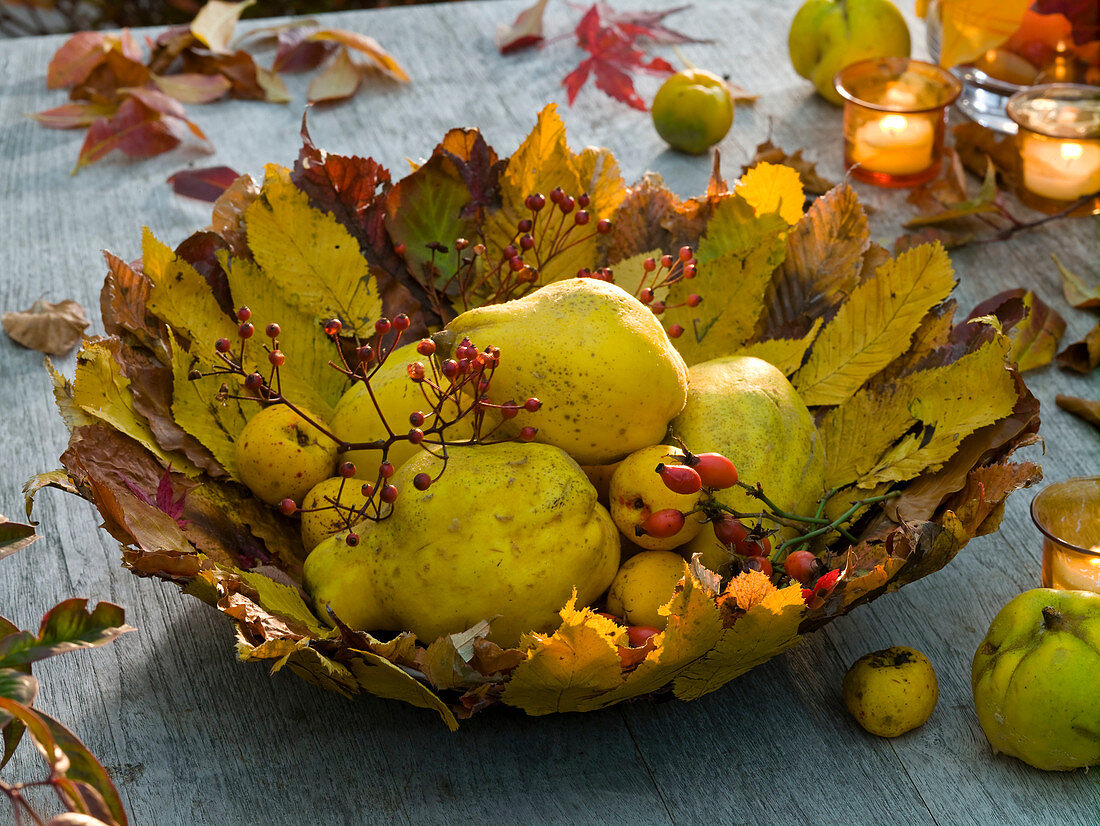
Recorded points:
(101,391)
(771,187)
(870,438)
(216,424)
(306,378)
(309,255)
(542,162)
(567,670)
(693,629)
(380,677)
(183,299)
(630,274)
(767,629)
(786,354)
(731,285)
(875,325)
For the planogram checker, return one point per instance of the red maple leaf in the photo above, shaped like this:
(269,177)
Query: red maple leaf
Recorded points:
(614,55)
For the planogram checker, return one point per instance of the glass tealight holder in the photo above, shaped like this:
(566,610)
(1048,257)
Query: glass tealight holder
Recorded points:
(895,114)
(1068,515)
(1058,142)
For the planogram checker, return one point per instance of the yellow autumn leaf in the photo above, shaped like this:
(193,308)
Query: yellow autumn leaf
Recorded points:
(542,162)
(310,256)
(731,284)
(771,187)
(748,589)
(378,676)
(215,22)
(630,274)
(693,629)
(182,298)
(769,628)
(973,27)
(916,422)
(101,391)
(215,423)
(875,325)
(306,378)
(568,669)
(786,354)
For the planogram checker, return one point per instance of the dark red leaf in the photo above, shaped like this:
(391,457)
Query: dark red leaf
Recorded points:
(136,129)
(646,24)
(201,250)
(206,184)
(478,165)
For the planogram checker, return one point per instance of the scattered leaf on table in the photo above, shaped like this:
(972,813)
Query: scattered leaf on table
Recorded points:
(612,57)
(47,328)
(297,53)
(976,146)
(984,201)
(1082,356)
(812,182)
(206,184)
(875,325)
(79,115)
(213,26)
(368,47)
(525,31)
(82,52)
(193,88)
(14,536)
(136,129)
(1087,409)
(1076,291)
(338,80)
(1036,333)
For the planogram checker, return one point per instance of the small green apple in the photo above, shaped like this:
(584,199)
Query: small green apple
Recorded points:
(281,456)
(693,110)
(1035,679)
(827,35)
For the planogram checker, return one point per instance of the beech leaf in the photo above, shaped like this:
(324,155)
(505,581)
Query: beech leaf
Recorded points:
(206,184)
(14,536)
(213,26)
(48,328)
(1082,356)
(525,31)
(339,80)
(770,187)
(1076,291)
(1087,409)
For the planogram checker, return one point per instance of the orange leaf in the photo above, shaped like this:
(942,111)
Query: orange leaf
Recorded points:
(380,58)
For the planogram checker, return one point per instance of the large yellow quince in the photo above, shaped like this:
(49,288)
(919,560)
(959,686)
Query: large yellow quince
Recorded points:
(600,362)
(745,408)
(505,533)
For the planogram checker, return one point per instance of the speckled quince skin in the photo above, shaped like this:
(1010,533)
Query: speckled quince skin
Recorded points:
(637,491)
(600,362)
(745,409)
(1036,677)
(506,532)
(279,455)
(892,691)
(643,584)
(319,519)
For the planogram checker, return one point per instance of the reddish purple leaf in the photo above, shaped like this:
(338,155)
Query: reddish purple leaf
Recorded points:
(162,500)
(205,184)
(136,129)
(74,61)
(193,88)
(646,24)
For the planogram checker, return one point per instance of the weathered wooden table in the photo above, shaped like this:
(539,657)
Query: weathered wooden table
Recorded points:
(193,737)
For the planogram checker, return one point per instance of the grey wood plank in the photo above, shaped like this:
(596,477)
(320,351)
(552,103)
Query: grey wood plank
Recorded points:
(194,737)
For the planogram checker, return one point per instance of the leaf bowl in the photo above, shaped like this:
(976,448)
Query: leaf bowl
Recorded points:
(863,337)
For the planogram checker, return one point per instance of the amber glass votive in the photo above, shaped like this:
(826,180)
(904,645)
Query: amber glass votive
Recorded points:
(1058,143)
(1068,515)
(895,113)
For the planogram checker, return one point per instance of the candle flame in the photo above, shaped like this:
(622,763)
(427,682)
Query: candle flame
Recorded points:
(898,123)
(1070,151)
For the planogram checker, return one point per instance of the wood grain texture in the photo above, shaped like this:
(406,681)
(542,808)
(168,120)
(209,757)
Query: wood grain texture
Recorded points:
(193,737)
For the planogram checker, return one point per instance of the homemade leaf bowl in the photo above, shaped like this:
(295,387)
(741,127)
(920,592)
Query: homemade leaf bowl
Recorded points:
(905,399)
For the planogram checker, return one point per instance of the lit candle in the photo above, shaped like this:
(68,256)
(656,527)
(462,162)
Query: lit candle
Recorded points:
(1071,570)
(1068,515)
(894,144)
(1062,170)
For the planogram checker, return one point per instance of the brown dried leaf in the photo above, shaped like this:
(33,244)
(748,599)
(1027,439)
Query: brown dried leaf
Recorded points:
(1076,291)
(339,80)
(47,328)
(228,216)
(1089,410)
(368,47)
(637,225)
(1082,356)
(768,152)
(1033,328)
(977,146)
